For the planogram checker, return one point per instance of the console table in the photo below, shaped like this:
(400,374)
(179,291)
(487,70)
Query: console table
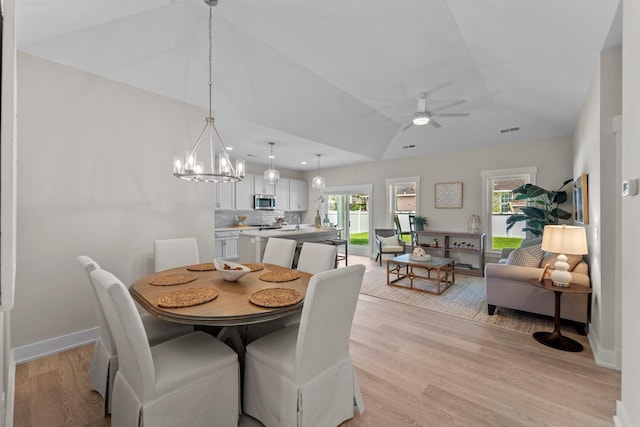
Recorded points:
(466,248)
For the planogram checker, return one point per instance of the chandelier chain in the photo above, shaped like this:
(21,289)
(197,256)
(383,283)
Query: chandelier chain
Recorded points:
(210,56)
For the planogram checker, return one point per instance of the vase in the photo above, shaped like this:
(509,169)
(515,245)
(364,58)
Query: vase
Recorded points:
(318,221)
(474,225)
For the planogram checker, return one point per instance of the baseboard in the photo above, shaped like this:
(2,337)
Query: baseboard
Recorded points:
(605,358)
(54,345)
(621,419)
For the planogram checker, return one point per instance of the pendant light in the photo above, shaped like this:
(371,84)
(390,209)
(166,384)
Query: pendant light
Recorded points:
(271,176)
(188,166)
(318,181)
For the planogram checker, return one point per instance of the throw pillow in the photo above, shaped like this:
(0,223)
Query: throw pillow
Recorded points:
(551,258)
(529,256)
(388,241)
(531,242)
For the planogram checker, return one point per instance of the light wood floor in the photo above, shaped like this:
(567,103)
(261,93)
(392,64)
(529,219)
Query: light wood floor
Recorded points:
(415,368)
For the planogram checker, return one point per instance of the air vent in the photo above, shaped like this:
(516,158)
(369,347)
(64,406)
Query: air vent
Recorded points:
(408,146)
(252,155)
(507,130)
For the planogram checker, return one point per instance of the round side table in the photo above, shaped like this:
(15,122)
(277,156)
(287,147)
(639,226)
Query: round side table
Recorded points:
(555,339)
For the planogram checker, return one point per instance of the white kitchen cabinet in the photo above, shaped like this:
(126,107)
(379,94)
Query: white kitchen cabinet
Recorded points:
(224,195)
(282,194)
(244,193)
(261,188)
(226,244)
(298,195)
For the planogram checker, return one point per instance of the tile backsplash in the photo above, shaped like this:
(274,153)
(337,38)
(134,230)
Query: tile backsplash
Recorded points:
(230,218)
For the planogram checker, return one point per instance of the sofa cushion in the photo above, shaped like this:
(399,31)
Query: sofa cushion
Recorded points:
(388,241)
(551,258)
(529,256)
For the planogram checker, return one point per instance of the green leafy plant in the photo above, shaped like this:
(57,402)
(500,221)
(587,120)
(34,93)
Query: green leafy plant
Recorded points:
(542,207)
(419,222)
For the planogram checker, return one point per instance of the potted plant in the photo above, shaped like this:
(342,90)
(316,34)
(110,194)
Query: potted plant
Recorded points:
(419,222)
(542,207)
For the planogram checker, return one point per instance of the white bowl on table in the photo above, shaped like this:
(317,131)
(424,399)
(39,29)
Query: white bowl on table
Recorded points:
(233,272)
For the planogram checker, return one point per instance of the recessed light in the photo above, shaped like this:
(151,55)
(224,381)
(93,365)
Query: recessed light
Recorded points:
(229,148)
(303,163)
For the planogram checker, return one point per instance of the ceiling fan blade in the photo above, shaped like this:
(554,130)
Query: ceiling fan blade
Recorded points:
(453,104)
(407,126)
(435,124)
(450,115)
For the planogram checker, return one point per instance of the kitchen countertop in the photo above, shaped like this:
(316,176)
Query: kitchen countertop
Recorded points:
(236,228)
(289,232)
(254,228)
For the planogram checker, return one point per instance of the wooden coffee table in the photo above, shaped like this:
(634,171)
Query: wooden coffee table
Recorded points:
(443,267)
(555,339)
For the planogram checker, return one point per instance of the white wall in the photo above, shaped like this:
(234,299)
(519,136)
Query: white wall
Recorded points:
(95,178)
(595,154)
(628,410)
(552,156)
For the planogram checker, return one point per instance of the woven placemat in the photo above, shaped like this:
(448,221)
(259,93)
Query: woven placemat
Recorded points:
(254,266)
(187,297)
(207,266)
(173,279)
(275,297)
(279,276)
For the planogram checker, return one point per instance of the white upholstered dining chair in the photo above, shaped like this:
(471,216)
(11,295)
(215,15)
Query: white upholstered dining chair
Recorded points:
(104,363)
(303,375)
(317,257)
(191,380)
(172,253)
(279,252)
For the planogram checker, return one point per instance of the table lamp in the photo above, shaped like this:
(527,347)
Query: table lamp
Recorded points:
(563,239)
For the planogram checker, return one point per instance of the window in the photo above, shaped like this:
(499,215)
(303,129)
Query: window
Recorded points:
(403,201)
(498,205)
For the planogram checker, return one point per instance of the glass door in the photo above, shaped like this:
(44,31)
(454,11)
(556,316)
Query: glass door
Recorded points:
(350,213)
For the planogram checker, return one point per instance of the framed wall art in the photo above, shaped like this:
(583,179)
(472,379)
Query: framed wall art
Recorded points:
(581,200)
(448,195)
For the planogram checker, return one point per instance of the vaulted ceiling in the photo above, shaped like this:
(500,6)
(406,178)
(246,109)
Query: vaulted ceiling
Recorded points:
(341,77)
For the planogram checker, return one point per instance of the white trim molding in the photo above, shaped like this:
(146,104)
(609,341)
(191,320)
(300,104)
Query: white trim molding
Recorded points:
(606,358)
(44,348)
(621,419)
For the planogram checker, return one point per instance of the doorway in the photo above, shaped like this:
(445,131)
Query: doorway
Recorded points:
(349,209)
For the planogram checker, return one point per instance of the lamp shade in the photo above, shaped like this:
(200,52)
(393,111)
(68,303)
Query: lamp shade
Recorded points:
(565,239)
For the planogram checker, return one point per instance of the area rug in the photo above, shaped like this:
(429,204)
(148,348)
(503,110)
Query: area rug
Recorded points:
(466,299)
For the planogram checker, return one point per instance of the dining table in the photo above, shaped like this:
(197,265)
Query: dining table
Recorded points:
(230,309)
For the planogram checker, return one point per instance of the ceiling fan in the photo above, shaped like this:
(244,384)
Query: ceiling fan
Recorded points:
(422,116)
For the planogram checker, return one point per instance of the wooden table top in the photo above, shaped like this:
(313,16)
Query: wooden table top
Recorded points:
(572,289)
(230,308)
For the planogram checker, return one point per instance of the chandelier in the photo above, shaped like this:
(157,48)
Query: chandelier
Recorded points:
(318,181)
(192,168)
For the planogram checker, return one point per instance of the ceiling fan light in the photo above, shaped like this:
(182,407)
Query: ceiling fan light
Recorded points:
(420,120)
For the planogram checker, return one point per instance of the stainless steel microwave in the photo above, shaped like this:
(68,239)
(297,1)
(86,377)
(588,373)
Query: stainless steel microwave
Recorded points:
(264,201)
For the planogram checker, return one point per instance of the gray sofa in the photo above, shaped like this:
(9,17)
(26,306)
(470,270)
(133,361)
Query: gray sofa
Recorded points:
(508,286)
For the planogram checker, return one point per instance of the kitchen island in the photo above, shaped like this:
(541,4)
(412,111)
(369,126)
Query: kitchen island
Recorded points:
(252,242)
